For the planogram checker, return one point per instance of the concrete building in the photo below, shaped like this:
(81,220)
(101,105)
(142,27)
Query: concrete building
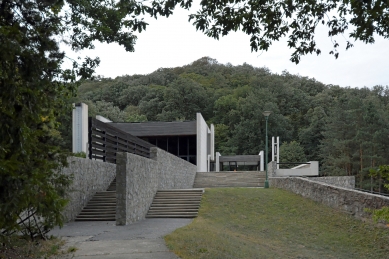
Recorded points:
(193,141)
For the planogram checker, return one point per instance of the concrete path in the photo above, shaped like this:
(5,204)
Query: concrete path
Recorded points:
(98,240)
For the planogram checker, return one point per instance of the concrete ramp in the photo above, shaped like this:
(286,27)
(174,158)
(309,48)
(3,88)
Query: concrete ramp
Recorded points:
(229,179)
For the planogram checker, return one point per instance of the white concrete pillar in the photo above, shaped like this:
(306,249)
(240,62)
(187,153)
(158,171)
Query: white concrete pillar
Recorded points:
(212,149)
(202,145)
(262,161)
(275,151)
(314,166)
(217,167)
(80,127)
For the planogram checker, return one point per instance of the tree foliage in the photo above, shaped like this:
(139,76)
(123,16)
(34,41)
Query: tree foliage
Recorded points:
(34,92)
(382,172)
(267,21)
(292,152)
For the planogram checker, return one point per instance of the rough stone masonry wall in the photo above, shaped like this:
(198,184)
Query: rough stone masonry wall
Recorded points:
(173,172)
(139,178)
(90,176)
(347,200)
(136,185)
(347,182)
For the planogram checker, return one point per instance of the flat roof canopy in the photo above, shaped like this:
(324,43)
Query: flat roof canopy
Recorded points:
(243,158)
(158,128)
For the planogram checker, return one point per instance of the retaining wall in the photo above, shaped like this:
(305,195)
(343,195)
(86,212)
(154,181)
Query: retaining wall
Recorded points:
(139,178)
(347,182)
(347,200)
(89,177)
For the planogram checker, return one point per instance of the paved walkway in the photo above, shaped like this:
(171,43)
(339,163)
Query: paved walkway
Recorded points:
(98,240)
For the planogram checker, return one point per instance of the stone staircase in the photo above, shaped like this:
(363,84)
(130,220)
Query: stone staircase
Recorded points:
(102,207)
(229,179)
(182,203)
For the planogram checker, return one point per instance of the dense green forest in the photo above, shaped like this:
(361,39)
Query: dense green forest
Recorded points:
(346,129)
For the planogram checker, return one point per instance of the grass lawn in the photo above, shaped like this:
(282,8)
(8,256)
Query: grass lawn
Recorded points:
(273,223)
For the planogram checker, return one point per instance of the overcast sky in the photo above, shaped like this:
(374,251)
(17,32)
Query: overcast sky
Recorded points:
(173,41)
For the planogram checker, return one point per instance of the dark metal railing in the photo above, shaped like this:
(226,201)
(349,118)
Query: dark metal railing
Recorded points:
(105,140)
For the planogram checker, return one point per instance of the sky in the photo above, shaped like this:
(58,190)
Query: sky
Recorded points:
(172,42)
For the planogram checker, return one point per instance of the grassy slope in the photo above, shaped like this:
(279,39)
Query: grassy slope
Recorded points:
(273,223)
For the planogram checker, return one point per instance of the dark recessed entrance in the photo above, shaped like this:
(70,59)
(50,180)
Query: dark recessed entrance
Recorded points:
(184,147)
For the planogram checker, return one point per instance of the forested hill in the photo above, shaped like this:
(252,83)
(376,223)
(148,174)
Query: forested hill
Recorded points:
(346,129)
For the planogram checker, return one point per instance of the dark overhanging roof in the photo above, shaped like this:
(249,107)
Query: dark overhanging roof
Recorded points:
(158,128)
(242,158)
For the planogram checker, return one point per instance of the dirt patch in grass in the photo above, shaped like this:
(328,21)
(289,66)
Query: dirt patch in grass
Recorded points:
(273,223)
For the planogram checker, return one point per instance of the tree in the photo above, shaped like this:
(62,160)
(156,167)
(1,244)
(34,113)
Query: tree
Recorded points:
(292,152)
(311,136)
(34,89)
(107,110)
(267,21)
(183,98)
(383,173)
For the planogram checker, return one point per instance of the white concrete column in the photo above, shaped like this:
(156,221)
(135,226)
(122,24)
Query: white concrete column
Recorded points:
(314,166)
(212,149)
(202,145)
(262,163)
(275,151)
(217,162)
(80,127)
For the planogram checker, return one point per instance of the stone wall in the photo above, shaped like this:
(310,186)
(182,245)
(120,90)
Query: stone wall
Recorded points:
(136,185)
(272,168)
(347,200)
(173,172)
(347,182)
(89,177)
(139,178)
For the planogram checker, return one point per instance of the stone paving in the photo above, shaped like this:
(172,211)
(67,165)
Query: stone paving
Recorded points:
(103,239)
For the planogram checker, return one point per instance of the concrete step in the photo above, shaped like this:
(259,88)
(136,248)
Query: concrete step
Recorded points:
(103,199)
(96,216)
(180,198)
(105,195)
(168,210)
(175,204)
(96,219)
(230,185)
(102,206)
(172,213)
(106,215)
(229,179)
(99,209)
(112,186)
(171,216)
(182,190)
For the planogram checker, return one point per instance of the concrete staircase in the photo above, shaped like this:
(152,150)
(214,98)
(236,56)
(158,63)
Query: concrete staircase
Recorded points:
(229,179)
(176,204)
(102,207)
